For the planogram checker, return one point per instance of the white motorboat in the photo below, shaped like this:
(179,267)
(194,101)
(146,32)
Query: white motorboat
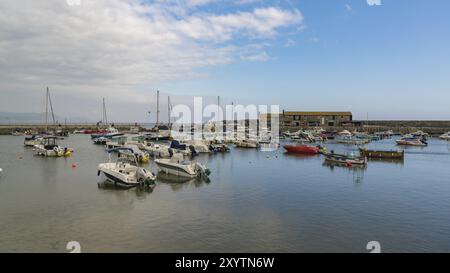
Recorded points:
(155,150)
(50,148)
(32,141)
(101,140)
(178,166)
(125,172)
(414,141)
(445,136)
(345,133)
(350,140)
(141,157)
(247,143)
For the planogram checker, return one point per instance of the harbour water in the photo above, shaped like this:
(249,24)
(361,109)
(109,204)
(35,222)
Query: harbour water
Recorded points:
(255,202)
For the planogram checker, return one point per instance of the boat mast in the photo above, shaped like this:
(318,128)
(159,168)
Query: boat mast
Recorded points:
(218,109)
(168,110)
(51,107)
(157,107)
(105,117)
(46,111)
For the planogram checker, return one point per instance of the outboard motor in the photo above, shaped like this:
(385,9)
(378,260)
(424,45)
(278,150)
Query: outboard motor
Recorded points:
(193,151)
(203,172)
(143,177)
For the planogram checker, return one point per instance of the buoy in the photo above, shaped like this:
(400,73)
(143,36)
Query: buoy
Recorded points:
(349,164)
(74,165)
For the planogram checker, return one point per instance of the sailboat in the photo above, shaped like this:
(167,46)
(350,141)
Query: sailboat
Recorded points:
(108,133)
(48,145)
(159,132)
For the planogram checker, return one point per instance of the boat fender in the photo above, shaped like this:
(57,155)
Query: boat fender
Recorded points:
(98,173)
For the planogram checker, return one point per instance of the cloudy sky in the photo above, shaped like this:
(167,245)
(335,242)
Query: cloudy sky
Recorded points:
(388,58)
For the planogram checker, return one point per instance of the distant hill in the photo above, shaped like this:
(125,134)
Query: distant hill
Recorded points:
(11,117)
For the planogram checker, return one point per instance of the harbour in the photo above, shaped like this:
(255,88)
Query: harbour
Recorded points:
(254,201)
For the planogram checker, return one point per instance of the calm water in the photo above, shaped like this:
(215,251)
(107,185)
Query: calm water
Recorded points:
(255,202)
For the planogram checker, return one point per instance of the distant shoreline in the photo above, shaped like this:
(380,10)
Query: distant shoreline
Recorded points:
(434,127)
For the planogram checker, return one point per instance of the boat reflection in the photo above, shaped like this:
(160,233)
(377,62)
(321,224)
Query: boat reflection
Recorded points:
(301,156)
(139,190)
(357,171)
(400,161)
(178,183)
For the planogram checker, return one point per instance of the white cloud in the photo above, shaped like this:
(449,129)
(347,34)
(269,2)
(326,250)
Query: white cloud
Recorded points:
(374,2)
(123,42)
(117,48)
(289,43)
(260,57)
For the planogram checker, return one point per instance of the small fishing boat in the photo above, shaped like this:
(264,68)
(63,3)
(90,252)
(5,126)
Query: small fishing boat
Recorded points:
(302,149)
(345,160)
(247,143)
(178,166)
(445,136)
(382,154)
(32,141)
(125,172)
(412,141)
(50,148)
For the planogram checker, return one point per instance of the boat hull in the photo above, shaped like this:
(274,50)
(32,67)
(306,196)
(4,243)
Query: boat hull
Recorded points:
(382,154)
(168,168)
(301,149)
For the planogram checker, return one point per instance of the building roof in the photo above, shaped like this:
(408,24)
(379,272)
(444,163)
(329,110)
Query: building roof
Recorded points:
(291,113)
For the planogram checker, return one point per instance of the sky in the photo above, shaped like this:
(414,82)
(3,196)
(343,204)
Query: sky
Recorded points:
(382,59)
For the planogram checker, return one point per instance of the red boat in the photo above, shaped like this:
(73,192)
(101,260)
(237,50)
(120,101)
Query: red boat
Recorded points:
(302,149)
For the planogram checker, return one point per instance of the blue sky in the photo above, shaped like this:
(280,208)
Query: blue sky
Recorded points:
(390,61)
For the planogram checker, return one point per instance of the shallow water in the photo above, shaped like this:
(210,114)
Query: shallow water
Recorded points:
(256,202)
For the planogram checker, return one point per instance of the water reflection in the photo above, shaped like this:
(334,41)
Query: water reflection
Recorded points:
(178,183)
(301,156)
(357,171)
(140,191)
(399,161)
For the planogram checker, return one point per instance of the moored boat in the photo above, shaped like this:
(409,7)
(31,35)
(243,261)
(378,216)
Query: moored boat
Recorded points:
(411,141)
(345,160)
(125,172)
(445,136)
(247,143)
(50,148)
(382,154)
(32,141)
(101,140)
(178,166)
(302,149)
